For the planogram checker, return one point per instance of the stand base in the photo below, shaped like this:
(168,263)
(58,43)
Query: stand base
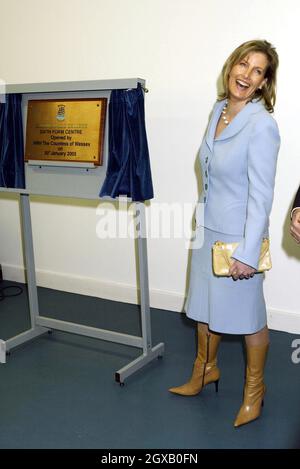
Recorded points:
(123,373)
(120,375)
(7,345)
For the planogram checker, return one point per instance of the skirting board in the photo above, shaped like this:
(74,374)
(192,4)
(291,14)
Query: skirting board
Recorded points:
(98,288)
(279,320)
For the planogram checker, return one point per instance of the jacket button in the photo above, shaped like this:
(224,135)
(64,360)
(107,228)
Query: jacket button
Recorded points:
(204,199)
(206,187)
(206,173)
(206,159)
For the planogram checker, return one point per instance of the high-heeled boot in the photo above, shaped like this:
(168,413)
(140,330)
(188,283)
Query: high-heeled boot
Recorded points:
(205,368)
(254,389)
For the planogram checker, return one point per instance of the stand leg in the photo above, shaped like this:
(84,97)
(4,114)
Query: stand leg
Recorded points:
(149,353)
(29,257)
(143,274)
(34,331)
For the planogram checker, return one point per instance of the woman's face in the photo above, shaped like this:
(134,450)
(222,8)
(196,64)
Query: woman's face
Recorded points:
(247,76)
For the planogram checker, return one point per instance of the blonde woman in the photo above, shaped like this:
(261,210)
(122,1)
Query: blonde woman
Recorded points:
(238,158)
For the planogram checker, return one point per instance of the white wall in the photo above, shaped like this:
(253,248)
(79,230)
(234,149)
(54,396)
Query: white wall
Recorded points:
(179,47)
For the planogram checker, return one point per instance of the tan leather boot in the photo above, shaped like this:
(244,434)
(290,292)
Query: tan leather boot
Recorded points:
(205,368)
(254,389)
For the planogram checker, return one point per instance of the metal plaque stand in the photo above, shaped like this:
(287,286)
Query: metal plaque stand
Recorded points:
(41,324)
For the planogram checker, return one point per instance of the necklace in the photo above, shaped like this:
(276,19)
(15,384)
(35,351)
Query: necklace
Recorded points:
(224,113)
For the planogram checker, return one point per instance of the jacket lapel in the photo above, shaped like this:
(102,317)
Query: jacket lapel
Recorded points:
(235,125)
(211,130)
(240,120)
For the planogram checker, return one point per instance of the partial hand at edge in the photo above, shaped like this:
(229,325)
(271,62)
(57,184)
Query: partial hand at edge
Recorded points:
(295,226)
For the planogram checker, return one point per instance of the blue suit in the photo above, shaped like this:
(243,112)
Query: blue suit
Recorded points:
(238,173)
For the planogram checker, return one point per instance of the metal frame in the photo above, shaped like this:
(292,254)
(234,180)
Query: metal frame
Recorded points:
(35,330)
(41,324)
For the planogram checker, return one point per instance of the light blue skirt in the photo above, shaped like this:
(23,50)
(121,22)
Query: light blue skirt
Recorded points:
(226,305)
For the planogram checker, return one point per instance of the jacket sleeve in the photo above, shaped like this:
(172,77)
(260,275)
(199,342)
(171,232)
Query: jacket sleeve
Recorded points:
(262,160)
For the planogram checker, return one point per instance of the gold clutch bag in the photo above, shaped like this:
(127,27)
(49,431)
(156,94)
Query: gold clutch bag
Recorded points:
(222,253)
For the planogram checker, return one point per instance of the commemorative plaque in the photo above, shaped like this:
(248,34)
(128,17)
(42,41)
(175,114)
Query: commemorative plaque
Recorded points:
(66,130)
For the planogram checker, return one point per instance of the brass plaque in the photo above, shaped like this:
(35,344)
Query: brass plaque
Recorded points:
(66,130)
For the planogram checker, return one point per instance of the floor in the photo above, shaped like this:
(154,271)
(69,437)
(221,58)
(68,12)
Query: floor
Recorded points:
(58,391)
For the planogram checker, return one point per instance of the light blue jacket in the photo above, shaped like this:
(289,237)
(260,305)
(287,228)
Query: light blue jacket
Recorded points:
(238,173)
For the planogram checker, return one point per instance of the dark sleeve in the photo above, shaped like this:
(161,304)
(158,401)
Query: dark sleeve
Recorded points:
(297,200)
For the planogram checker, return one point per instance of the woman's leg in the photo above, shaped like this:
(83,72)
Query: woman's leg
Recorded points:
(203,327)
(259,338)
(257,348)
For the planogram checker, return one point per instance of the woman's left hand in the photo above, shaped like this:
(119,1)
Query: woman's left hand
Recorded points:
(238,270)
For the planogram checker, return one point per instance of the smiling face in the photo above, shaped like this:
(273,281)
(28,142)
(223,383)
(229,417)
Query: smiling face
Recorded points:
(247,76)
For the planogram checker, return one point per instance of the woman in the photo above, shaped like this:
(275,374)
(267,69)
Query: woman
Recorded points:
(238,159)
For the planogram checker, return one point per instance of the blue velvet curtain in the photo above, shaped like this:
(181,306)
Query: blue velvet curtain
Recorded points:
(128,171)
(11,143)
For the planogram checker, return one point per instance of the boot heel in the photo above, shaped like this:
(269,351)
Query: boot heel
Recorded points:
(217,385)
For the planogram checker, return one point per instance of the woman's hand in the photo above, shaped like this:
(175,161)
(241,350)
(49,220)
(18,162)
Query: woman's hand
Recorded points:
(295,226)
(238,270)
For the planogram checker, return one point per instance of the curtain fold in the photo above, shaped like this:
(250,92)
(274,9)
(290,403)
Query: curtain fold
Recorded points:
(128,171)
(11,143)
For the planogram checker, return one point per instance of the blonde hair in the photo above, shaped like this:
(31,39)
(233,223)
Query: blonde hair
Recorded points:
(268,91)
